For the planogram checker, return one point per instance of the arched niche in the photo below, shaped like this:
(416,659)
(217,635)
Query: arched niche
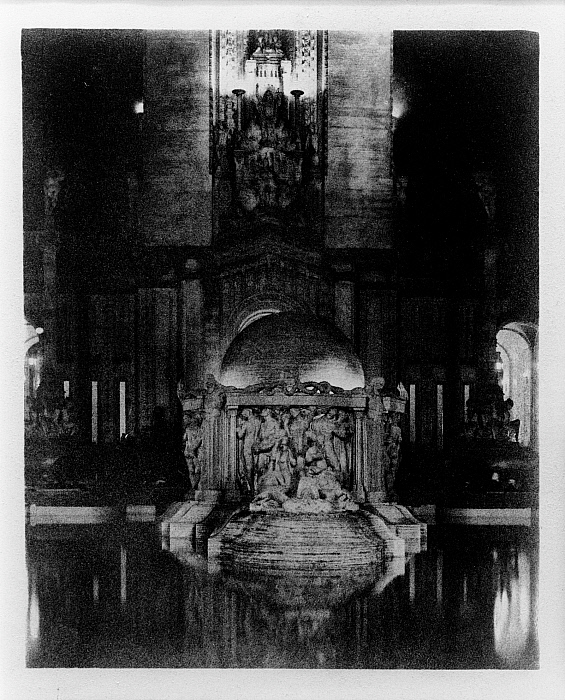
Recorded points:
(517,348)
(33,360)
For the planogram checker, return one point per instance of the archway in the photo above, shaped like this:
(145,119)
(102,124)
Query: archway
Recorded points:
(516,343)
(33,360)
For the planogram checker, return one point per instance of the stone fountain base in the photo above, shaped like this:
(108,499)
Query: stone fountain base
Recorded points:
(279,538)
(270,542)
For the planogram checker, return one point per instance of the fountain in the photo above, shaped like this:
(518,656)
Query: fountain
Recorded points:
(290,473)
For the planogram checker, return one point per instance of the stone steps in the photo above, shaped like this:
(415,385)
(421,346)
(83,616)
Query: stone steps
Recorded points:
(298,542)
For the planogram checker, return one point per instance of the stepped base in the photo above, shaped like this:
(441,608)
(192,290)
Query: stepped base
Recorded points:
(279,540)
(400,522)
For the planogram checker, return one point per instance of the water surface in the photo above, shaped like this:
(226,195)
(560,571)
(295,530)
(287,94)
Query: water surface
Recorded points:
(113,596)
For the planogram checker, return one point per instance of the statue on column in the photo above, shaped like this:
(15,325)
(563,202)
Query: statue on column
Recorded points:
(214,399)
(192,442)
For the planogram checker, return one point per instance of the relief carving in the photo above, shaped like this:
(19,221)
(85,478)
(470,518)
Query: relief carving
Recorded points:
(294,450)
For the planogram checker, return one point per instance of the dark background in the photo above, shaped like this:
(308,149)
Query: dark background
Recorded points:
(471,105)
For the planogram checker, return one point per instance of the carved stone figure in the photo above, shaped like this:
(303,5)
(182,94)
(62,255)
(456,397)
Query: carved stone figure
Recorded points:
(68,419)
(48,405)
(192,442)
(507,428)
(52,189)
(341,440)
(326,428)
(489,417)
(247,432)
(319,489)
(214,399)
(513,424)
(298,425)
(214,396)
(270,431)
(284,460)
(274,485)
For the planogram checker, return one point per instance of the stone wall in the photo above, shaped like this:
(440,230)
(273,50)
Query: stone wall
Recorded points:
(177,187)
(359,181)
(157,348)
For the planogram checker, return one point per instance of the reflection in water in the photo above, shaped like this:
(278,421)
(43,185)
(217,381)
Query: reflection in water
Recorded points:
(123,575)
(33,608)
(121,598)
(512,606)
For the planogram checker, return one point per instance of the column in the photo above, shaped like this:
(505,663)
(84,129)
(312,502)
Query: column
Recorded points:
(344,294)
(192,332)
(360,453)
(230,462)
(375,458)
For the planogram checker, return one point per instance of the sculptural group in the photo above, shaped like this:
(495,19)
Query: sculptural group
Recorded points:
(295,458)
(289,445)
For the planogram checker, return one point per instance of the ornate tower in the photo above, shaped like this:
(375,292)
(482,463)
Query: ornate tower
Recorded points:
(268,135)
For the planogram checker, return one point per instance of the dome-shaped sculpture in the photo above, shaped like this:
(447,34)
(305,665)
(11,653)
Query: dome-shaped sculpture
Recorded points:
(291,346)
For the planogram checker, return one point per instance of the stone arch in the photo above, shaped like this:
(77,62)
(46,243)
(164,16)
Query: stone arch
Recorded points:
(32,362)
(517,344)
(255,307)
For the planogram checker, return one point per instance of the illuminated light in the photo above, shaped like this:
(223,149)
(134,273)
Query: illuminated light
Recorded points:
(39,330)
(439,578)
(138,107)
(94,408)
(512,612)
(95,589)
(412,409)
(122,408)
(67,388)
(412,579)
(398,107)
(466,393)
(399,99)
(123,574)
(34,610)
(498,366)
(32,361)
(439,407)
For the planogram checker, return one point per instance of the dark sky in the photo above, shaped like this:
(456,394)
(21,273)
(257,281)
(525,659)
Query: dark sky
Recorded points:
(475,93)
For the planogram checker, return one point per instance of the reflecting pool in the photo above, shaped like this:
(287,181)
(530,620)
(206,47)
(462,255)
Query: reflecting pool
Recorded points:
(119,596)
